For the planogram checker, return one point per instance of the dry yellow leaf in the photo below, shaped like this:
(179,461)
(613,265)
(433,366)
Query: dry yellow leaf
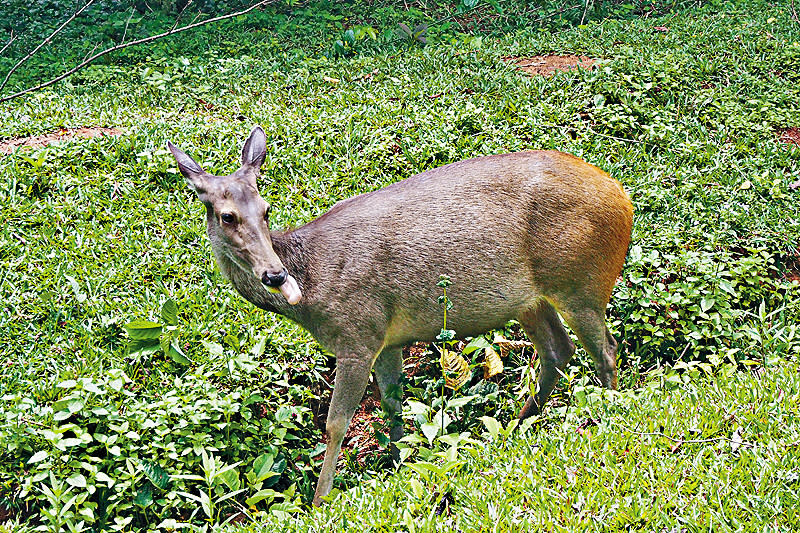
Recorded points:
(456,369)
(505,344)
(492,364)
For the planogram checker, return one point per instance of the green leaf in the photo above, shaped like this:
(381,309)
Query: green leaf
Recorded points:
(143,346)
(77,480)
(143,329)
(277,469)
(726,286)
(430,430)
(80,296)
(41,455)
(46,297)
(258,348)
(231,478)
(87,513)
(214,349)
(483,388)
(405,32)
(478,343)
(446,335)
(262,466)
(461,401)
(68,443)
(103,478)
(492,426)
(417,408)
(177,355)
(169,312)
(232,341)
(92,387)
(157,476)
(75,405)
(707,303)
(283,508)
(423,467)
(230,495)
(261,495)
(144,496)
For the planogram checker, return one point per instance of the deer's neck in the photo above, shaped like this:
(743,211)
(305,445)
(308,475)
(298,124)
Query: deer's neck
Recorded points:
(291,250)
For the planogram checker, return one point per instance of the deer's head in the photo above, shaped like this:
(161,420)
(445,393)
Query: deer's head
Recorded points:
(238,217)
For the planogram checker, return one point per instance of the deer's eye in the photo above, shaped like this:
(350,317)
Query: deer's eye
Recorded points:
(266,214)
(228,218)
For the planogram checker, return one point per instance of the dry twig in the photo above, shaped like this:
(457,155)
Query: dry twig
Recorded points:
(132,43)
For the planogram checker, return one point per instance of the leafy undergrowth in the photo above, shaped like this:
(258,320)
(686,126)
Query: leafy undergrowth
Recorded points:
(687,451)
(123,428)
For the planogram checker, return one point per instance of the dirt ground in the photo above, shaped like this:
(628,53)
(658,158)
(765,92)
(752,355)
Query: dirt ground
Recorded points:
(63,134)
(550,64)
(790,136)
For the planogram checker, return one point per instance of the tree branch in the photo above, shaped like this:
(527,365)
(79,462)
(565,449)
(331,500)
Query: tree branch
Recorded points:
(180,14)
(46,41)
(127,23)
(11,40)
(120,46)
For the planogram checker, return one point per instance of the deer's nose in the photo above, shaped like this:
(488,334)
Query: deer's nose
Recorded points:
(274,280)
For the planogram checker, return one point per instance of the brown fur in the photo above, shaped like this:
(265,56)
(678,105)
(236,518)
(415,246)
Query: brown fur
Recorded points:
(520,235)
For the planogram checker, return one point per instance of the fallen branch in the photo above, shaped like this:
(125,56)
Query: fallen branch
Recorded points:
(677,440)
(120,46)
(43,43)
(794,14)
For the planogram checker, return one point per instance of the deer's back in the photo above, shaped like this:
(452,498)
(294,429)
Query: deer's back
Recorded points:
(507,229)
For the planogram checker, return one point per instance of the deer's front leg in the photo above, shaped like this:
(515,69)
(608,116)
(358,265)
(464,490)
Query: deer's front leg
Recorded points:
(352,374)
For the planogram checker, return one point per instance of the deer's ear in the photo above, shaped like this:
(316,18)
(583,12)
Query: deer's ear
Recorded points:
(193,172)
(255,149)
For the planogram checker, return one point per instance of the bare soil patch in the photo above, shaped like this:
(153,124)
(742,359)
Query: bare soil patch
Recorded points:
(550,64)
(63,134)
(793,266)
(790,136)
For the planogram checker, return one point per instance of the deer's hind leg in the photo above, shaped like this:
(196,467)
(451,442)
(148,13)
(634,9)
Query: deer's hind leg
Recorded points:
(543,327)
(388,370)
(589,324)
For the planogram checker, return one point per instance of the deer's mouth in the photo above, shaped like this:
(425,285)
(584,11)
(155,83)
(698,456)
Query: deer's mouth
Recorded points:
(288,289)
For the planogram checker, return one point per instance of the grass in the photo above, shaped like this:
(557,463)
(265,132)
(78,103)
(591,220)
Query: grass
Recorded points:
(686,452)
(101,232)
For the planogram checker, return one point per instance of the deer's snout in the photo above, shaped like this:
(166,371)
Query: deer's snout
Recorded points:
(274,280)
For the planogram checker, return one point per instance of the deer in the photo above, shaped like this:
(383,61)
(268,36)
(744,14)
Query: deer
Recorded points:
(530,236)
